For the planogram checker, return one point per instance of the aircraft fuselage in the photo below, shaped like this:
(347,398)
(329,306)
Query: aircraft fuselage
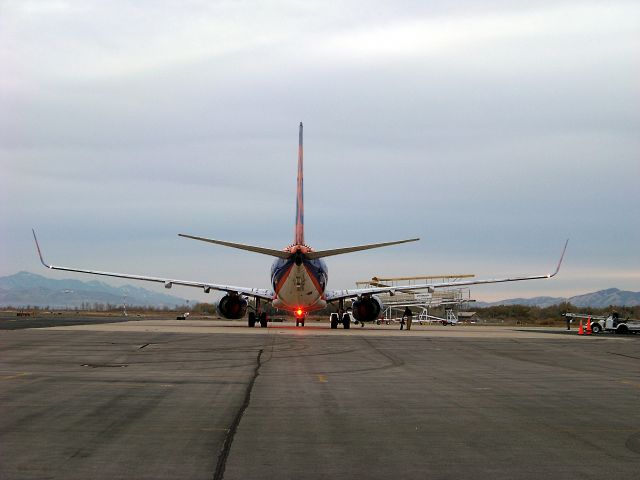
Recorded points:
(299,283)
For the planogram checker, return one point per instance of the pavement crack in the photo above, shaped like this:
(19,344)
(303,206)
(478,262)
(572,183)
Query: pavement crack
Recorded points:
(231,432)
(623,355)
(395,361)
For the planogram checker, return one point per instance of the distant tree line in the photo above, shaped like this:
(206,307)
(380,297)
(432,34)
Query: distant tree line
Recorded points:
(551,314)
(100,307)
(521,314)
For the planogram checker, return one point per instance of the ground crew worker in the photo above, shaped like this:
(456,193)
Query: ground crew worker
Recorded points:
(409,317)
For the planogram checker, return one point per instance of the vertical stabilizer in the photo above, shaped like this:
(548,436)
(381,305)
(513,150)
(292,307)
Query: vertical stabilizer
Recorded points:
(299,231)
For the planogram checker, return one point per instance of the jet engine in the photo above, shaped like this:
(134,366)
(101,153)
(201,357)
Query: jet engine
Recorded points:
(232,306)
(367,309)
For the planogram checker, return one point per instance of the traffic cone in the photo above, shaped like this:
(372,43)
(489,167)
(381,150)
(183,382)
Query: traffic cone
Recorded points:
(580,330)
(588,330)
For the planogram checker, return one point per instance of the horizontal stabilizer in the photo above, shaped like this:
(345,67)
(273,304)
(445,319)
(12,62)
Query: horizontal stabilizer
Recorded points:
(265,251)
(340,251)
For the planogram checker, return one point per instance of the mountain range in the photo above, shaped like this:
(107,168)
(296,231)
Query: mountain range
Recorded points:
(28,289)
(599,299)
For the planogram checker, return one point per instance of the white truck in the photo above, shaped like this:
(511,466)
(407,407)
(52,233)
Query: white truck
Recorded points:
(612,323)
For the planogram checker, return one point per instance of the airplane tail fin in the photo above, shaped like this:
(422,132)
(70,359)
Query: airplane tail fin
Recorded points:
(299,229)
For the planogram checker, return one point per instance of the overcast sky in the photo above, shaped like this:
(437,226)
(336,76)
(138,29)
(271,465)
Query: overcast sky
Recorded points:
(492,130)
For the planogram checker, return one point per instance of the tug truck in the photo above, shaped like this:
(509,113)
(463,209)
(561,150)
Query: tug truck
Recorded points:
(612,323)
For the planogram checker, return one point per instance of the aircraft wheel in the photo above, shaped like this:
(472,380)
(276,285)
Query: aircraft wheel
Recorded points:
(346,321)
(334,320)
(252,319)
(263,319)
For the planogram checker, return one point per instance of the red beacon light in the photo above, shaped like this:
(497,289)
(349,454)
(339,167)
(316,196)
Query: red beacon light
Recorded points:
(299,312)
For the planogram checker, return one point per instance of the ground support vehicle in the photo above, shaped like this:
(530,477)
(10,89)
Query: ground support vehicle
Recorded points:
(612,323)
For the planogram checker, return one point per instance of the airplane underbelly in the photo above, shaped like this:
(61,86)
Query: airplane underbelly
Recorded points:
(299,289)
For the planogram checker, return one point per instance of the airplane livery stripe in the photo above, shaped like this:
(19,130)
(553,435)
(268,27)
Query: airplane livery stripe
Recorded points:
(280,273)
(314,278)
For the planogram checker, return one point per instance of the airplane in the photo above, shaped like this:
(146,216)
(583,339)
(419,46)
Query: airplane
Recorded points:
(299,277)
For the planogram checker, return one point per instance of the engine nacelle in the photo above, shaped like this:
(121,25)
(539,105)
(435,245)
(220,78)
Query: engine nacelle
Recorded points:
(232,306)
(367,309)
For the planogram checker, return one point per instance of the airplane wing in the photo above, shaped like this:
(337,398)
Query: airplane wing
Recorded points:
(262,293)
(334,295)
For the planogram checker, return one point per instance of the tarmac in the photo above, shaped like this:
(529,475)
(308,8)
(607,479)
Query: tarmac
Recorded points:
(201,399)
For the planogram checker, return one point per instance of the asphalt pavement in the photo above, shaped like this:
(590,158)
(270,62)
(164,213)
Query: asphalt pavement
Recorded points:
(190,403)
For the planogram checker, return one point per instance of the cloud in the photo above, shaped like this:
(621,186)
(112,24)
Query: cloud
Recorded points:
(492,130)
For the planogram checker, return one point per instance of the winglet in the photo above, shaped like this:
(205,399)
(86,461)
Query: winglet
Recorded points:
(38,247)
(560,261)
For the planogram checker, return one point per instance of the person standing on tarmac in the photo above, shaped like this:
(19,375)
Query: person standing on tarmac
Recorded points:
(408,315)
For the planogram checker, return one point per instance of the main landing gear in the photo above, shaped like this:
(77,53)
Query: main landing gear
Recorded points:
(300,321)
(346,318)
(258,316)
(261,319)
(335,320)
(341,317)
